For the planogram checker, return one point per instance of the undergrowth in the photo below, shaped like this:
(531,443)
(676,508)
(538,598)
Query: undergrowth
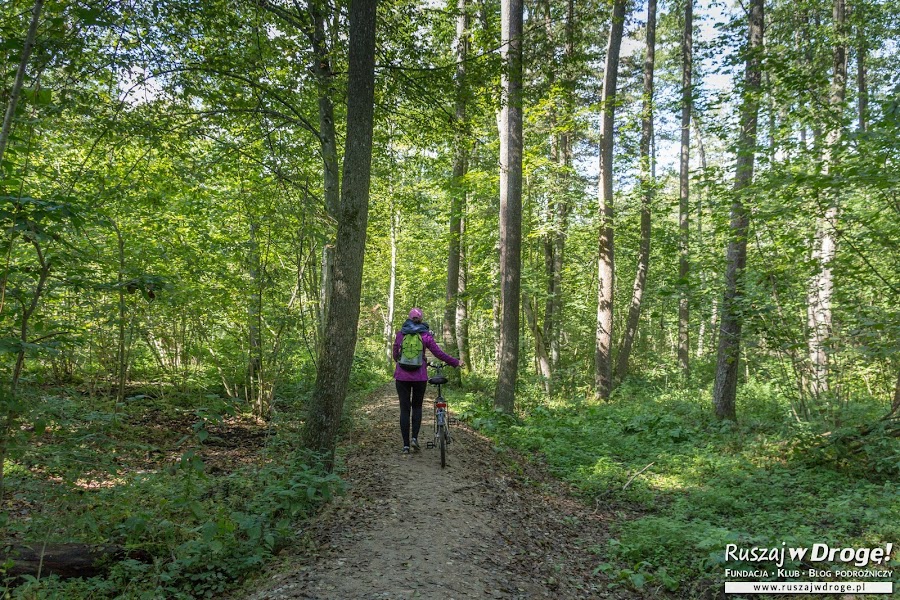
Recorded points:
(206,496)
(684,485)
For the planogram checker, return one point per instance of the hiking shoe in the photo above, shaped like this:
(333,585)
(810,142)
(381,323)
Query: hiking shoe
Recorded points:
(405,450)
(415,445)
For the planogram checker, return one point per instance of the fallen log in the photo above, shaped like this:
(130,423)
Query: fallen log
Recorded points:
(853,442)
(66,560)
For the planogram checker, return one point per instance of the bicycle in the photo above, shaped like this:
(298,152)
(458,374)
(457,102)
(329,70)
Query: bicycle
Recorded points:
(441,414)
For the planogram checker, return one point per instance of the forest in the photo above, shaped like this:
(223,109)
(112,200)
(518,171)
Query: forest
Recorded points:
(664,239)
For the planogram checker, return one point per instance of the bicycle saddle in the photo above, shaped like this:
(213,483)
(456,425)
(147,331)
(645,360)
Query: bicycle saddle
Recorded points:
(438,380)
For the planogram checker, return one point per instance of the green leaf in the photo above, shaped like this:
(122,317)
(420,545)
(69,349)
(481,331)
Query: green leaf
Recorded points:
(637,580)
(92,16)
(37,96)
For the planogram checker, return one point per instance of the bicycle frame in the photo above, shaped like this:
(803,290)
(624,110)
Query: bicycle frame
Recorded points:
(441,414)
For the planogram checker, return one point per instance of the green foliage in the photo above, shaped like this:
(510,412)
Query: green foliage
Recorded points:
(93,478)
(164,173)
(871,451)
(694,485)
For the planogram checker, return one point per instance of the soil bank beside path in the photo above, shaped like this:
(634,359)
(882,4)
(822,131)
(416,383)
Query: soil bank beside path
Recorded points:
(489,525)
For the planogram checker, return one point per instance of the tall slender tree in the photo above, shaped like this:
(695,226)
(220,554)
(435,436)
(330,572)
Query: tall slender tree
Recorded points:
(560,209)
(462,301)
(606,254)
(336,356)
(7,412)
(255,393)
(457,186)
(529,303)
(388,329)
(647,194)
(511,145)
(684,192)
(311,20)
(732,319)
(862,81)
(19,81)
(327,134)
(701,330)
(821,286)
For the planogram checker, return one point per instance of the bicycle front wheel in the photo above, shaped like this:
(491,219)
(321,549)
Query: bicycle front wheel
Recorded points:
(442,443)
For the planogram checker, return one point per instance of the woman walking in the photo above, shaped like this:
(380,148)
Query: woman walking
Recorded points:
(411,373)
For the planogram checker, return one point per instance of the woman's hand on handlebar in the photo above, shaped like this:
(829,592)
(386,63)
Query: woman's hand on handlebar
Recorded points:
(440,365)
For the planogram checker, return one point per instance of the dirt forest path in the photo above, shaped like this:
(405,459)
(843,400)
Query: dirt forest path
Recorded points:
(486,526)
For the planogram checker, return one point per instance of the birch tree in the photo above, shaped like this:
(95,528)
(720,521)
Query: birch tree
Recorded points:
(821,286)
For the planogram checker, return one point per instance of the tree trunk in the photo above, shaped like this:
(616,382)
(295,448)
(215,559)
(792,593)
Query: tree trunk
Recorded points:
(8,409)
(554,304)
(325,77)
(555,202)
(495,308)
(20,77)
(725,387)
(606,254)
(814,91)
(701,151)
(336,357)
(773,122)
(895,405)
(647,194)
(121,364)
(862,81)
(28,312)
(510,203)
(684,194)
(821,286)
(462,302)
(392,286)
(255,384)
(458,189)
(541,357)
(325,289)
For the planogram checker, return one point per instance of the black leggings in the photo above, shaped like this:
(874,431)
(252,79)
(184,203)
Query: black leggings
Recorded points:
(415,389)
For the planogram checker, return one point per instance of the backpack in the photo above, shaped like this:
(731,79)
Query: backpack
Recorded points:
(412,352)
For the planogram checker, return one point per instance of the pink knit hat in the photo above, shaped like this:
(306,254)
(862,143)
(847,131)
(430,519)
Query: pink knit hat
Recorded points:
(415,313)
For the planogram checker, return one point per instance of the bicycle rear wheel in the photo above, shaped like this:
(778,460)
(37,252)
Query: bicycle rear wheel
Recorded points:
(442,443)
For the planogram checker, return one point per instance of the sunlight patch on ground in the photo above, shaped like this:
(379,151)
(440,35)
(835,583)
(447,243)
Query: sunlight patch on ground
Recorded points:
(91,482)
(668,482)
(14,468)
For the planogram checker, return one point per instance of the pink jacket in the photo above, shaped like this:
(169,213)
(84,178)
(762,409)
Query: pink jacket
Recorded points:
(420,374)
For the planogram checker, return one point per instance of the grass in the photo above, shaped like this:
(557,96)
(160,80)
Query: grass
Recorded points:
(685,484)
